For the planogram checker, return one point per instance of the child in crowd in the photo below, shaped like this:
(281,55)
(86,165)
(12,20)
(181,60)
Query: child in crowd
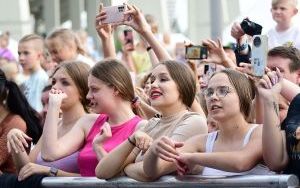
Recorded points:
(16,113)
(31,53)
(284,32)
(64,45)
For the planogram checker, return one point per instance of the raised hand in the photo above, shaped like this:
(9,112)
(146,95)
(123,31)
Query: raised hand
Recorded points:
(165,148)
(56,96)
(237,31)
(270,83)
(217,54)
(135,19)
(17,140)
(104,30)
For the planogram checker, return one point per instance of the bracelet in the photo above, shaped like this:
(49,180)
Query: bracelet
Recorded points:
(131,142)
(149,48)
(242,47)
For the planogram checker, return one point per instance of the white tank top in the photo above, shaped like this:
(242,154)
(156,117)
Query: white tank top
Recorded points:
(257,170)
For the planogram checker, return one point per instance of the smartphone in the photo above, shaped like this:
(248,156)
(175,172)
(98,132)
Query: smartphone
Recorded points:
(196,52)
(115,14)
(128,37)
(259,55)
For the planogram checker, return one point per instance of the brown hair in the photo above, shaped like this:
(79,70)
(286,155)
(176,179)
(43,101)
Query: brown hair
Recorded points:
(244,88)
(184,79)
(114,74)
(39,41)
(68,37)
(291,53)
(78,71)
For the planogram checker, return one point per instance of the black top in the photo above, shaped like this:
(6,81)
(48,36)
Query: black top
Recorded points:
(289,125)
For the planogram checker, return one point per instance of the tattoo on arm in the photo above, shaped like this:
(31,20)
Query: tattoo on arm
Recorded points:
(276,108)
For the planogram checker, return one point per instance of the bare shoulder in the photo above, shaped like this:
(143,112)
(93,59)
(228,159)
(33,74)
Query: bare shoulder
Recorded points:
(87,121)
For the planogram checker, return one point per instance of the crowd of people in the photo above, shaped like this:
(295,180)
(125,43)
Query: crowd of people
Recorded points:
(146,112)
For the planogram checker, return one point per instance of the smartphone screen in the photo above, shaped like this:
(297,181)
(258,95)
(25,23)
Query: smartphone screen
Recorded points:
(196,52)
(128,38)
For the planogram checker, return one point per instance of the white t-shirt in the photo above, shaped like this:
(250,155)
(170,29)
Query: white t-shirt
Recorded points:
(86,60)
(279,38)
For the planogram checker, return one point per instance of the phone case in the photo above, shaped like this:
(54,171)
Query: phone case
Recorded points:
(115,14)
(259,54)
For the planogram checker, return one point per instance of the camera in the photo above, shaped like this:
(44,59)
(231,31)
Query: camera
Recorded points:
(251,28)
(259,54)
(196,52)
(115,14)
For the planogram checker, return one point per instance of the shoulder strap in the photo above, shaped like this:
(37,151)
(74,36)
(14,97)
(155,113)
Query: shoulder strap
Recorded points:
(247,137)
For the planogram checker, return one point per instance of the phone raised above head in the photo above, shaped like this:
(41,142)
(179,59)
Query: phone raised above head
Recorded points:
(128,38)
(259,54)
(114,14)
(196,52)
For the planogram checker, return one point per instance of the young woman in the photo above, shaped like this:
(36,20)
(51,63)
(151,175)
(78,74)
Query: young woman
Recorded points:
(173,89)
(70,78)
(111,94)
(15,113)
(236,148)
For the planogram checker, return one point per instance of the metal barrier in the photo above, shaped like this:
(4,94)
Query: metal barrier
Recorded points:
(174,181)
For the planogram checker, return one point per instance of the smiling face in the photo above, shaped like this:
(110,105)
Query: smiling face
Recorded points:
(163,91)
(222,106)
(62,81)
(101,96)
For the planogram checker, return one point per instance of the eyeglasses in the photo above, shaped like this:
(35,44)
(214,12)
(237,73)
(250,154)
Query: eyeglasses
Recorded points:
(221,91)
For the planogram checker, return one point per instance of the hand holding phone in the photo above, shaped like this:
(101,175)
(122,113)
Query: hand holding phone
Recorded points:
(196,52)
(259,54)
(114,14)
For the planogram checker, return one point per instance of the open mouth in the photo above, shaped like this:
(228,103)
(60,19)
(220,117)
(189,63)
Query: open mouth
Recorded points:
(155,94)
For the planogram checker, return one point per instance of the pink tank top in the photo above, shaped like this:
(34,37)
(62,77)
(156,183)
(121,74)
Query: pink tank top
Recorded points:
(87,159)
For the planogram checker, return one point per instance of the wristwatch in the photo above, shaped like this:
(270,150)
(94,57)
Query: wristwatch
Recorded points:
(53,171)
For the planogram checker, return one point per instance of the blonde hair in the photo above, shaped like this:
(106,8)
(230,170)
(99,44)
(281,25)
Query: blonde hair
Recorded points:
(294,3)
(69,37)
(38,40)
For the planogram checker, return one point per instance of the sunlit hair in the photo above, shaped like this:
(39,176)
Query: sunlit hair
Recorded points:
(78,71)
(184,79)
(69,37)
(244,88)
(39,44)
(291,2)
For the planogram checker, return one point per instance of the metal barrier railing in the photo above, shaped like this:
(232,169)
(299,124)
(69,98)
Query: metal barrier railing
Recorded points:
(174,181)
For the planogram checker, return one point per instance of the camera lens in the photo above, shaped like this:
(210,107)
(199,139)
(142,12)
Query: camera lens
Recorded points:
(257,41)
